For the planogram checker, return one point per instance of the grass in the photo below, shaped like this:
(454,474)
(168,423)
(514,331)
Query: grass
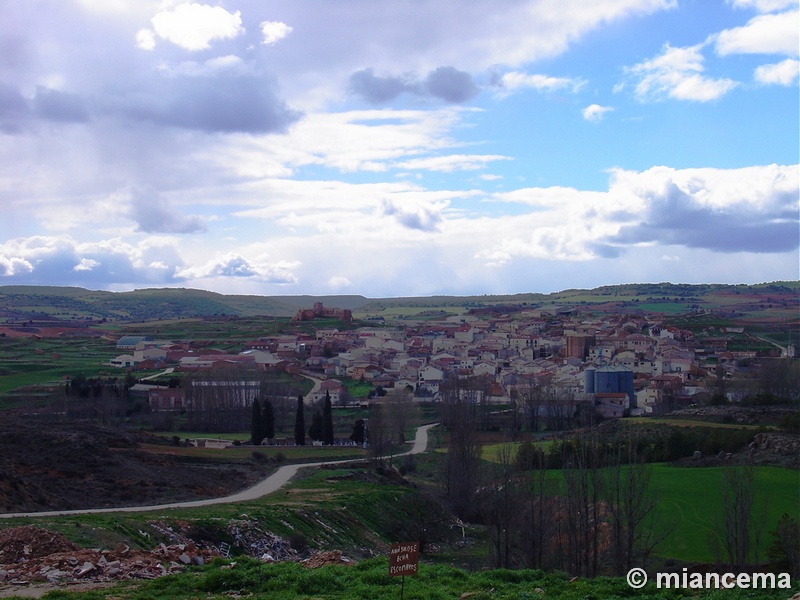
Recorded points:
(690,500)
(369,579)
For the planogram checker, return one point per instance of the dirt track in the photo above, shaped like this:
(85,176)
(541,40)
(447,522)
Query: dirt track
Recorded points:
(263,488)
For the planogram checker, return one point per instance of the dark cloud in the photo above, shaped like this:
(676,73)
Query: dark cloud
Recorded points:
(223,103)
(379,90)
(675,217)
(445,83)
(59,106)
(451,85)
(420,218)
(153,214)
(14,109)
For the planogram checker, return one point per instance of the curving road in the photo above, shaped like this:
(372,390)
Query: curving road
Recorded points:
(264,487)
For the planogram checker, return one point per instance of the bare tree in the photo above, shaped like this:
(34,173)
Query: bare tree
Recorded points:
(741,532)
(459,415)
(631,504)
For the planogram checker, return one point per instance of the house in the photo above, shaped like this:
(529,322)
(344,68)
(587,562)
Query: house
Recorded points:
(129,342)
(122,361)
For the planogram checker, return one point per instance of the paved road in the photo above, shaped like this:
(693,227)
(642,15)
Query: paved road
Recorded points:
(263,488)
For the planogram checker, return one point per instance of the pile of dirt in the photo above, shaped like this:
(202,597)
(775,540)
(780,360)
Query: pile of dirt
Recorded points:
(30,555)
(75,465)
(27,543)
(326,558)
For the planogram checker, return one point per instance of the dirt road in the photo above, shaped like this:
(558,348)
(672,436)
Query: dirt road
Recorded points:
(264,487)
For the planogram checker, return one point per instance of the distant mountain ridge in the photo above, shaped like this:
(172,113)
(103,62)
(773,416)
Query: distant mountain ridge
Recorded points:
(53,302)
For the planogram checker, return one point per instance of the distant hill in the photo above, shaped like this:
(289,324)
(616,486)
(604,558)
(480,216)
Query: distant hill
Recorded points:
(69,303)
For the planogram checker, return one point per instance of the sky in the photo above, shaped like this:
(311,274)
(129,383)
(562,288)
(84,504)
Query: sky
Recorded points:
(398,148)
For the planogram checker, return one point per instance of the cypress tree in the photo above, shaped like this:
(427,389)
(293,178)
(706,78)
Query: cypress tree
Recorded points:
(300,423)
(268,419)
(256,426)
(327,421)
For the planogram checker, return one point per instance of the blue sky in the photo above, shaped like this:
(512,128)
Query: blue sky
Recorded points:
(398,148)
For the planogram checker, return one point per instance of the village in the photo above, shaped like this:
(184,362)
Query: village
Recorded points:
(607,366)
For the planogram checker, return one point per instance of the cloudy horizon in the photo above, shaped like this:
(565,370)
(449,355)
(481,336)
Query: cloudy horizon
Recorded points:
(398,149)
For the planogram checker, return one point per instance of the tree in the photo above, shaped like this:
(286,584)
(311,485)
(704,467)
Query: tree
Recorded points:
(256,424)
(459,415)
(268,419)
(300,423)
(315,432)
(741,533)
(358,432)
(327,421)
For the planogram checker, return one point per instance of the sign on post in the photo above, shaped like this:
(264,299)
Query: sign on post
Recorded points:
(403,559)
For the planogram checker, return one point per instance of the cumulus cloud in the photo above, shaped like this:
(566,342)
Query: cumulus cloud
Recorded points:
(451,85)
(233,265)
(595,112)
(380,90)
(677,73)
(420,217)
(14,265)
(784,73)
(274,31)
(194,26)
(153,214)
(61,260)
(445,83)
(86,264)
(753,209)
(764,34)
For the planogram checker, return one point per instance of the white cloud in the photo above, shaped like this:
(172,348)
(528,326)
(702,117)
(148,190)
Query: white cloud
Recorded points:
(86,264)
(450,163)
(764,34)
(338,282)
(146,39)
(595,112)
(764,5)
(274,31)
(514,81)
(783,73)
(677,73)
(234,265)
(194,26)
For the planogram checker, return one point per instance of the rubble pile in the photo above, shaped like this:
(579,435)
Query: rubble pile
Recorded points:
(324,559)
(251,539)
(49,557)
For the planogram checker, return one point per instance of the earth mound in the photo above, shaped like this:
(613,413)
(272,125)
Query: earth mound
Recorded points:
(66,465)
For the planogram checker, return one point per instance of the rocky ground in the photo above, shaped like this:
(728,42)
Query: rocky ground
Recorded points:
(74,465)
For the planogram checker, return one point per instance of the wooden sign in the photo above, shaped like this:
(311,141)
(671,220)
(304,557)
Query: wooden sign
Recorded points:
(403,559)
